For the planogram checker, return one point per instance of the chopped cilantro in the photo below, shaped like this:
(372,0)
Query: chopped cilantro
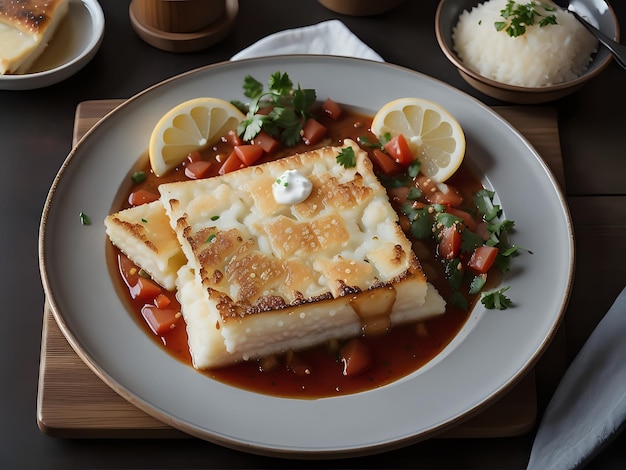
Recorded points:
(289,108)
(413,194)
(454,273)
(366,142)
(138,176)
(428,220)
(252,87)
(446,219)
(505,255)
(414,168)
(517,16)
(84,219)
(484,203)
(478,282)
(496,299)
(396,181)
(421,222)
(457,299)
(346,158)
(470,241)
(386,137)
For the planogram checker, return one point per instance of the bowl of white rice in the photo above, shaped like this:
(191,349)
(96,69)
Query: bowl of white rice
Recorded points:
(504,53)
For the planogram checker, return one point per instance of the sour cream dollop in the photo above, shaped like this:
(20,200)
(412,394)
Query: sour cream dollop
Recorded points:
(292,187)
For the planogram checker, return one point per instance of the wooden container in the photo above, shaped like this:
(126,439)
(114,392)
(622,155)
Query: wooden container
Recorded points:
(180,16)
(183,25)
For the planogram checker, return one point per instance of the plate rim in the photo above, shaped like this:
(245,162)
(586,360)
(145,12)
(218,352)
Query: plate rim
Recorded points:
(282,451)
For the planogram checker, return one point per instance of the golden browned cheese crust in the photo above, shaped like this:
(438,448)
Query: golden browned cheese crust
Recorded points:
(271,261)
(136,231)
(143,233)
(29,16)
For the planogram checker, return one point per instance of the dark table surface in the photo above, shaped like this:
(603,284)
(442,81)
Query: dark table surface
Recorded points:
(35,137)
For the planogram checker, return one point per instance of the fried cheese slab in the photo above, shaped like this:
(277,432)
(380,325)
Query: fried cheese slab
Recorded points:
(143,233)
(26,27)
(271,277)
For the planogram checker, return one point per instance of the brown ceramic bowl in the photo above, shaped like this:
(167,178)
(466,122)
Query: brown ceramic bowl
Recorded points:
(447,16)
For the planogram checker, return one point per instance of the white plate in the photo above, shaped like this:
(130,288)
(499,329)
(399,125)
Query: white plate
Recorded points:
(73,45)
(493,350)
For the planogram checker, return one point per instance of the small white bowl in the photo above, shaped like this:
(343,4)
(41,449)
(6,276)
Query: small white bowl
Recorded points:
(73,45)
(447,16)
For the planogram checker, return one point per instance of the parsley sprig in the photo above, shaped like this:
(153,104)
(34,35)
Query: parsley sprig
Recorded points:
(496,299)
(517,16)
(346,158)
(289,108)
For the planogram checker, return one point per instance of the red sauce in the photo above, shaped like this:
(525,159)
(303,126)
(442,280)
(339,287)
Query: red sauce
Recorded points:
(318,372)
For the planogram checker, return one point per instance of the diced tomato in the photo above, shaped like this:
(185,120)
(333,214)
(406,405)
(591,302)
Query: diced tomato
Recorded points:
(128,270)
(468,220)
(445,194)
(425,184)
(482,259)
(249,154)
(268,143)
(385,163)
(145,290)
(399,150)
(450,242)
(313,131)
(356,357)
(331,108)
(162,300)
(194,156)
(483,231)
(160,320)
(399,195)
(142,196)
(197,170)
(232,163)
(232,138)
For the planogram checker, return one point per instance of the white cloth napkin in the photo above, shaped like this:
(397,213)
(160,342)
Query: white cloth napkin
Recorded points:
(589,405)
(329,37)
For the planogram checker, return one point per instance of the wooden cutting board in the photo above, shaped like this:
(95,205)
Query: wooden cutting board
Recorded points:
(73,402)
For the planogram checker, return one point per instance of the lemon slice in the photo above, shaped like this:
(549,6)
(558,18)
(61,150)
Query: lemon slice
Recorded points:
(190,126)
(433,134)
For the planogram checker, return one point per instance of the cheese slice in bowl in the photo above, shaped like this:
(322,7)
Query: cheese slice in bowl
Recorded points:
(270,276)
(26,27)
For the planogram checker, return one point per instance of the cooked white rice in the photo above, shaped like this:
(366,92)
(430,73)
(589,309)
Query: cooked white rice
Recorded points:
(542,56)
